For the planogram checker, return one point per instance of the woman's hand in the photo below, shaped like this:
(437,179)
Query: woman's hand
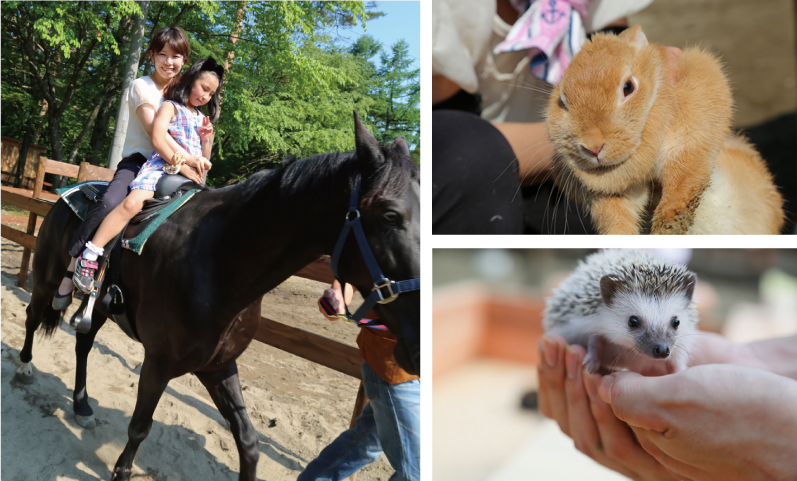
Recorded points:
(191,173)
(200,164)
(711,422)
(569,396)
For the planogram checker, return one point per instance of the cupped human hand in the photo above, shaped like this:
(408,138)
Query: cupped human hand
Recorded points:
(568,395)
(711,422)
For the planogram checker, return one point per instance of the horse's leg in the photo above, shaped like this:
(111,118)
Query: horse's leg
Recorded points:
(38,311)
(84,415)
(225,389)
(151,384)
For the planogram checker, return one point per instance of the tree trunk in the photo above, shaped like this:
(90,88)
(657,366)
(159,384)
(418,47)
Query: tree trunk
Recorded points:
(98,137)
(115,155)
(84,132)
(23,158)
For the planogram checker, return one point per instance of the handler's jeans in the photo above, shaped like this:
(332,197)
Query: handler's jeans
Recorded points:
(390,422)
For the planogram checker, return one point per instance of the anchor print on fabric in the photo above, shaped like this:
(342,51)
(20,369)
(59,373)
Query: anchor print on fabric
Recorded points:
(553,15)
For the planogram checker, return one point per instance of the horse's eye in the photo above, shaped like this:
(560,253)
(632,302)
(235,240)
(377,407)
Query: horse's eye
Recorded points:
(391,217)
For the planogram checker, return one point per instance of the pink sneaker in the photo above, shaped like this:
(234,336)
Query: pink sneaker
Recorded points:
(84,274)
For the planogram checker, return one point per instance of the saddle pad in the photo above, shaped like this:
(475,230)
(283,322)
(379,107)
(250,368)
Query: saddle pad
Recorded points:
(136,244)
(77,198)
(82,196)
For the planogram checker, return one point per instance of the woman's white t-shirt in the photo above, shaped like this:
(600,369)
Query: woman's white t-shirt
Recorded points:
(142,91)
(465,32)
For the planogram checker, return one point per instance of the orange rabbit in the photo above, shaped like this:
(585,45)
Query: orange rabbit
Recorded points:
(622,126)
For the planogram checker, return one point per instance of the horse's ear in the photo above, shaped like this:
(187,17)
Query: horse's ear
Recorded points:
(368,149)
(400,147)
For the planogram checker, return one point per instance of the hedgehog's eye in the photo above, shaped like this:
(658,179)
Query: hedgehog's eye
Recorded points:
(633,322)
(675,322)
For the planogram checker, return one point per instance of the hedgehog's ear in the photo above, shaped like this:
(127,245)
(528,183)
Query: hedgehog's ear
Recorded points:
(689,284)
(610,285)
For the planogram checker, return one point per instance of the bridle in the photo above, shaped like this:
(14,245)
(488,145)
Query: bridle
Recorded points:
(385,290)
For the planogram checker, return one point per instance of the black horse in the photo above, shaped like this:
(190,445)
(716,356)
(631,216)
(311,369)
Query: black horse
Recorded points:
(194,294)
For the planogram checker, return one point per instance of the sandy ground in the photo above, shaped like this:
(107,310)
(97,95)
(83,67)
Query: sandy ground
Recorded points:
(297,407)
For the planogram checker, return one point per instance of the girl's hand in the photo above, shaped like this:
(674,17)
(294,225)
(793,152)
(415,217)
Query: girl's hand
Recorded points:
(205,130)
(205,163)
(191,173)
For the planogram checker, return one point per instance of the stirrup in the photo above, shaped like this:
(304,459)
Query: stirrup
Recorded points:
(83,276)
(81,321)
(59,302)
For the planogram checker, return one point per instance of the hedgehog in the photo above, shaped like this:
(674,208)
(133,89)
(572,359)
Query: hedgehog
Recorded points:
(629,309)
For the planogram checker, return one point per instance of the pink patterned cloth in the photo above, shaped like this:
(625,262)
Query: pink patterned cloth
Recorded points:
(552,31)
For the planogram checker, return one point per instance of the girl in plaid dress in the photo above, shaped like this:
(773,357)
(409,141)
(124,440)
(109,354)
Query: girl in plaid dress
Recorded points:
(179,117)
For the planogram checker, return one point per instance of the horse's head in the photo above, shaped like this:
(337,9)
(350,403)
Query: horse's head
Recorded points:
(390,212)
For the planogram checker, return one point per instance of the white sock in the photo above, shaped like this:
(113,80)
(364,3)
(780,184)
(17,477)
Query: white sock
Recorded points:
(92,252)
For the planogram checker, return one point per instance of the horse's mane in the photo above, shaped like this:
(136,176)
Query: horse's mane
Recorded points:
(302,174)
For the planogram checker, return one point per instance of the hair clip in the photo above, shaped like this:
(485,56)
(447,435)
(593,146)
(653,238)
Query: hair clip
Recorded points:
(210,64)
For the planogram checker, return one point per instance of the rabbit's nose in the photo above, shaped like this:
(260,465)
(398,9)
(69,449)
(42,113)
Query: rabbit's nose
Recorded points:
(593,150)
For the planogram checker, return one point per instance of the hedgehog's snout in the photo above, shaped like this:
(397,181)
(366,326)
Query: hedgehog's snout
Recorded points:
(660,351)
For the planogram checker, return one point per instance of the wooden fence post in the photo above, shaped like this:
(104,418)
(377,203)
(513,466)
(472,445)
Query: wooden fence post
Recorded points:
(83,172)
(37,192)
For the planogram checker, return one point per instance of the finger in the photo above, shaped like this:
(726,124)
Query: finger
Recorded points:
(618,442)
(674,468)
(635,398)
(583,429)
(553,374)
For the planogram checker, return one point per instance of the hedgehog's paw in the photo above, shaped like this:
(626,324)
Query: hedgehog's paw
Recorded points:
(591,363)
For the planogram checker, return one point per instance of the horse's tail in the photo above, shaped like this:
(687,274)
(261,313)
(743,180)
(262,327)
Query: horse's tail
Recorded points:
(50,319)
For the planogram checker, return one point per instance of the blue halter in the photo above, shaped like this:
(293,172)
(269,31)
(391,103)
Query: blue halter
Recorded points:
(384,290)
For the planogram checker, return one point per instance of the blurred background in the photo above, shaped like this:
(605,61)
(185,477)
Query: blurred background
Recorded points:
(487,324)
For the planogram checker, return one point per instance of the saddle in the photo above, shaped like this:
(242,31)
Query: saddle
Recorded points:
(171,192)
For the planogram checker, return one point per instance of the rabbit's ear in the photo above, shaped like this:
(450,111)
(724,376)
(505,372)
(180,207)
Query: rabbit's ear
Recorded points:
(635,36)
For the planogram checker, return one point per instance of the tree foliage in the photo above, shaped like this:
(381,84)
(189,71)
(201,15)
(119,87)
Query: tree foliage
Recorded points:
(289,87)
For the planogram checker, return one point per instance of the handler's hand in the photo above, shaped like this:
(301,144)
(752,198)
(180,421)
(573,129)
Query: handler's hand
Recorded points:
(713,422)
(569,396)
(336,299)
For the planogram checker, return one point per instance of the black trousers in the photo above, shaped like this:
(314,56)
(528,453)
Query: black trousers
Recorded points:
(476,187)
(474,177)
(126,172)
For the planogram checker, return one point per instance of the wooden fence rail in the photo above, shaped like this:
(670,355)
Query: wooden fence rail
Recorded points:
(307,345)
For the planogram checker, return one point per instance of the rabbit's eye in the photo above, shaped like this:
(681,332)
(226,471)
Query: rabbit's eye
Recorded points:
(629,87)
(562,104)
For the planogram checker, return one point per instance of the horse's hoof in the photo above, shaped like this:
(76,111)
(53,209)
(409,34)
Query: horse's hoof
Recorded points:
(85,422)
(24,373)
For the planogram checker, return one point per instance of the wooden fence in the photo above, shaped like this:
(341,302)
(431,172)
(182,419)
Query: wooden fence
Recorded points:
(319,349)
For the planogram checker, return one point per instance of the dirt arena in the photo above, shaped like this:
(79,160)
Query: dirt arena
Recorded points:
(297,407)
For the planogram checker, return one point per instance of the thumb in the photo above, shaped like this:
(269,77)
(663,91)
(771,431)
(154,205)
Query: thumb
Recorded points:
(634,399)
